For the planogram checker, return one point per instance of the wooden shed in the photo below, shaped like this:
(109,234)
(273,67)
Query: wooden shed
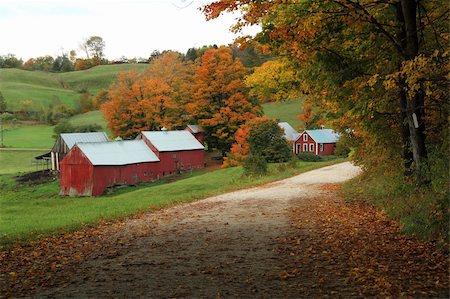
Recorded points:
(178,151)
(66,141)
(197,131)
(319,142)
(89,168)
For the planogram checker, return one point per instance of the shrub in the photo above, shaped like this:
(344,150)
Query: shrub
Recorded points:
(309,157)
(255,164)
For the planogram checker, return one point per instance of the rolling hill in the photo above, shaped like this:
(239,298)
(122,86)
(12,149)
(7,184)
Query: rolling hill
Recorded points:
(42,87)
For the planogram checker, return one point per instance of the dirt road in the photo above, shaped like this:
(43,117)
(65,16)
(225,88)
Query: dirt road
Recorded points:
(286,239)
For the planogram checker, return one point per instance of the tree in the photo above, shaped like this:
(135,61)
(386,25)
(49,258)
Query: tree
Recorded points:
(355,57)
(274,81)
(3,104)
(259,137)
(94,48)
(10,61)
(62,63)
(151,100)
(220,99)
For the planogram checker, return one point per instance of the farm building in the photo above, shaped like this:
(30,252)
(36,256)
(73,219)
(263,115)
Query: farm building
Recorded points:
(320,142)
(89,168)
(66,141)
(177,150)
(289,132)
(197,131)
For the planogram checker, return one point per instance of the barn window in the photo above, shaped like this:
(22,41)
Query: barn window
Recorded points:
(305,147)
(174,156)
(321,147)
(305,137)
(311,147)
(298,149)
(145,173)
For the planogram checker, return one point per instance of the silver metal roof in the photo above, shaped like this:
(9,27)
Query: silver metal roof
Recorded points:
(194,128)
(70,139)
(323,135)
(289,132)
(118,152)
(166,141)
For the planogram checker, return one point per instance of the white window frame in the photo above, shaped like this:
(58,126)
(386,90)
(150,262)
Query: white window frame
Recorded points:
(298,148)
(321,147)
(305,147)
(305,137)
(311,147)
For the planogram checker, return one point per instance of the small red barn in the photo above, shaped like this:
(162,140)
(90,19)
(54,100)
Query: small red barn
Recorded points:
(197,131)
(177,150)
(89,168)
(320,142)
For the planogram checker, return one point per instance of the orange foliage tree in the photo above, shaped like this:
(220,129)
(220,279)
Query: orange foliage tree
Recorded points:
(149,101)
(221,102)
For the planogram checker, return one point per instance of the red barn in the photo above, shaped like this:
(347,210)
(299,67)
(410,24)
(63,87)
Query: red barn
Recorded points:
(320,142)
(89,168)
(197,131)
(177,150)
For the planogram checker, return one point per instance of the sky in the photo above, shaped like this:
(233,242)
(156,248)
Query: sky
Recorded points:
(133,28)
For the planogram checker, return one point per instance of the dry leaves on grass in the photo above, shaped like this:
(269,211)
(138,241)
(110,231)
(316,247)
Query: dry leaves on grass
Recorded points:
(353,249)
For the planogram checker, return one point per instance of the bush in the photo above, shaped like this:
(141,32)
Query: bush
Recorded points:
(309,157)
(255,164)
(65,126)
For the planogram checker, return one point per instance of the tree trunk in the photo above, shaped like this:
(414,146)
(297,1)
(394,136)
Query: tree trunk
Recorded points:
(415,104)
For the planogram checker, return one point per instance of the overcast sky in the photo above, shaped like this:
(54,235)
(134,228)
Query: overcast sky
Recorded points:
(131,28)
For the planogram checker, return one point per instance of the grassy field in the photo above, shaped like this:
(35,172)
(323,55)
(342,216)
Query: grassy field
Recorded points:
(284,111)
(88,118)
(41,87)
(29,136)
(15,161)
(32,211)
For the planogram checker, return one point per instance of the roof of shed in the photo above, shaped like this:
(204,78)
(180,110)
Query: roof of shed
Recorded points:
(195,128)
(167,141)
(70,139)
(289,132)
(118,152)
(323,135)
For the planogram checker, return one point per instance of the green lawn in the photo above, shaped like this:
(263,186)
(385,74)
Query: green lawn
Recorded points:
(31,211)
(88,118)
(30,136)
(42,87)
(15,161)
(284,111)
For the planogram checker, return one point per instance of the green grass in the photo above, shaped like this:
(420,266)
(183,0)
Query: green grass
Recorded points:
(15,161)
(29,212)
(89,118)
(284,111)
(41,87)
(29,136)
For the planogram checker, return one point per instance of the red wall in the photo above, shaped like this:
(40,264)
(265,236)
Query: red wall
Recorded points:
(76,177)
(328,148)
(171,162)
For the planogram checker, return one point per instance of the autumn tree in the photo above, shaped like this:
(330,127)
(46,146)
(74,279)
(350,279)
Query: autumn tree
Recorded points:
(274,81)
(355,57)
(152,100)
(221,103)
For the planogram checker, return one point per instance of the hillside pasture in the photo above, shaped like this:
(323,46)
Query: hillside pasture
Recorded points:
(19,161)
(42,87)
(284,111)
(29,136)
(89,118)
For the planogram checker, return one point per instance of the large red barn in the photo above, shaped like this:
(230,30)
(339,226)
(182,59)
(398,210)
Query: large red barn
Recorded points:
(319,142)
(89,168)
(197,131)
(177,150)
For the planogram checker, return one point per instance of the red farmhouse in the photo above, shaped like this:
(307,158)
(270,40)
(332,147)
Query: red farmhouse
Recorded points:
(89,168)
(197,131)
(320,142)
(177,150)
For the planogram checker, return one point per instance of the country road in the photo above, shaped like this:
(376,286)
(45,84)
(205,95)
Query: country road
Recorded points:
(288,239)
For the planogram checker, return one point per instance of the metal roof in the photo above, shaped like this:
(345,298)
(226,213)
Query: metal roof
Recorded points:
(323,135)
(70,139)
(289,132)
(194,128)
(166,141)
(118,152)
